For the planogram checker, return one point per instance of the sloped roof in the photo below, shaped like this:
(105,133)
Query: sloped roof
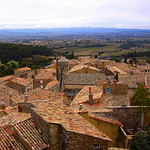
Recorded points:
(63,59)
(7,141)
(55,112)
(39,94)
(134,80)
(22,81)
(30,134)
(79,67)
(13,117)
(82,96)
(104,118)
(110,99)
(45,74)
(24,69)
(51,84)
(83,78)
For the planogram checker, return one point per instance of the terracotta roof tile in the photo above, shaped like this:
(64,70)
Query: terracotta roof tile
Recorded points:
(7,141)
(24,69)
(22,81)
(30,134)
(83,78)
(54,112)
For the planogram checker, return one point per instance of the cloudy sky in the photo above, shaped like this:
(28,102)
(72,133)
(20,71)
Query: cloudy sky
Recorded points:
(74,13)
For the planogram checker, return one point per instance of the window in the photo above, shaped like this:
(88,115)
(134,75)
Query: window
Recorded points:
(97,147)
(41,86)
(41,81)
(107,90)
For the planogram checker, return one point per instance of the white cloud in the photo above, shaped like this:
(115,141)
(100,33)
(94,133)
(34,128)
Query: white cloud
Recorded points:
(68,13)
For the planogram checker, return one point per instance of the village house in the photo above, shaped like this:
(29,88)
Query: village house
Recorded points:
(21,70)
(21,84)
(43,78)
(133,82)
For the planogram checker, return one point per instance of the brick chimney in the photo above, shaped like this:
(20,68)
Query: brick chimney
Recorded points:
(90,96)
(3,105)
(115,81)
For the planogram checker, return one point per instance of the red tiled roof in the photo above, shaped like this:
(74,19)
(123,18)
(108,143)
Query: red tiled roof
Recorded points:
(22,81)
(7,141)
(27,130)
(104,118)
(24,69)
(55,112)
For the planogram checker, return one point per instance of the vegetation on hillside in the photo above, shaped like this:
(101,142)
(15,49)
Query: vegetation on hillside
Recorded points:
(140,97)
(17,52)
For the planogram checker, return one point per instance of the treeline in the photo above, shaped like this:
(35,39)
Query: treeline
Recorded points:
(17,52)
(137,54)
(128,44)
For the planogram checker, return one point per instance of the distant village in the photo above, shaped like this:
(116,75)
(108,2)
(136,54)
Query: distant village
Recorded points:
(76,104)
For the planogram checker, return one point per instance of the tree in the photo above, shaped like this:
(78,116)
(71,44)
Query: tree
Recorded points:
(141,140)
(140,97)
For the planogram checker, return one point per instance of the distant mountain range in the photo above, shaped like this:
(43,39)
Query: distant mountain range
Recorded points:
(62,31)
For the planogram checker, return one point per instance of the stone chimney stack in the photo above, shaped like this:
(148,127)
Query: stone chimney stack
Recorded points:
(90,96)
(25,98)
(115,81)
(3,105)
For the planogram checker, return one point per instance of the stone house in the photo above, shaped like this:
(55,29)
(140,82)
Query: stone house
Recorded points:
(21,84)
(22,70)
(43,78)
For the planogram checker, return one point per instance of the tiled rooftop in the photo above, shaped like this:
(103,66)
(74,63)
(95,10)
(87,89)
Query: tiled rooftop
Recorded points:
(45,74)
(24,69)
(134,80)
(110,99)
(27,130)
(84,78)
(22,81)
(54,112)
(6,78)
(5,93)
(82,96)
(39,95)
(7,141)
(13,118)
(79,67)
(74,62)
(51,84)
(63,59)
(105,118)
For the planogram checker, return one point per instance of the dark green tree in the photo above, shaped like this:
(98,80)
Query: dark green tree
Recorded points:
(140,97)
(141,141)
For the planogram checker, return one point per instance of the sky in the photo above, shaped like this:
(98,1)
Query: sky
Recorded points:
(16,14)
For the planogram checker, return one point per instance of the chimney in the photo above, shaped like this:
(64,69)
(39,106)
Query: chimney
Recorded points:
(90,96)
(57,69)
(3,106)
(115,81)
(25,98)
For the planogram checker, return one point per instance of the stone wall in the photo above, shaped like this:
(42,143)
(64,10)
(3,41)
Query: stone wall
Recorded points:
(38,83)
(130,117)
(78,141)
(42,126)
(116,88)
